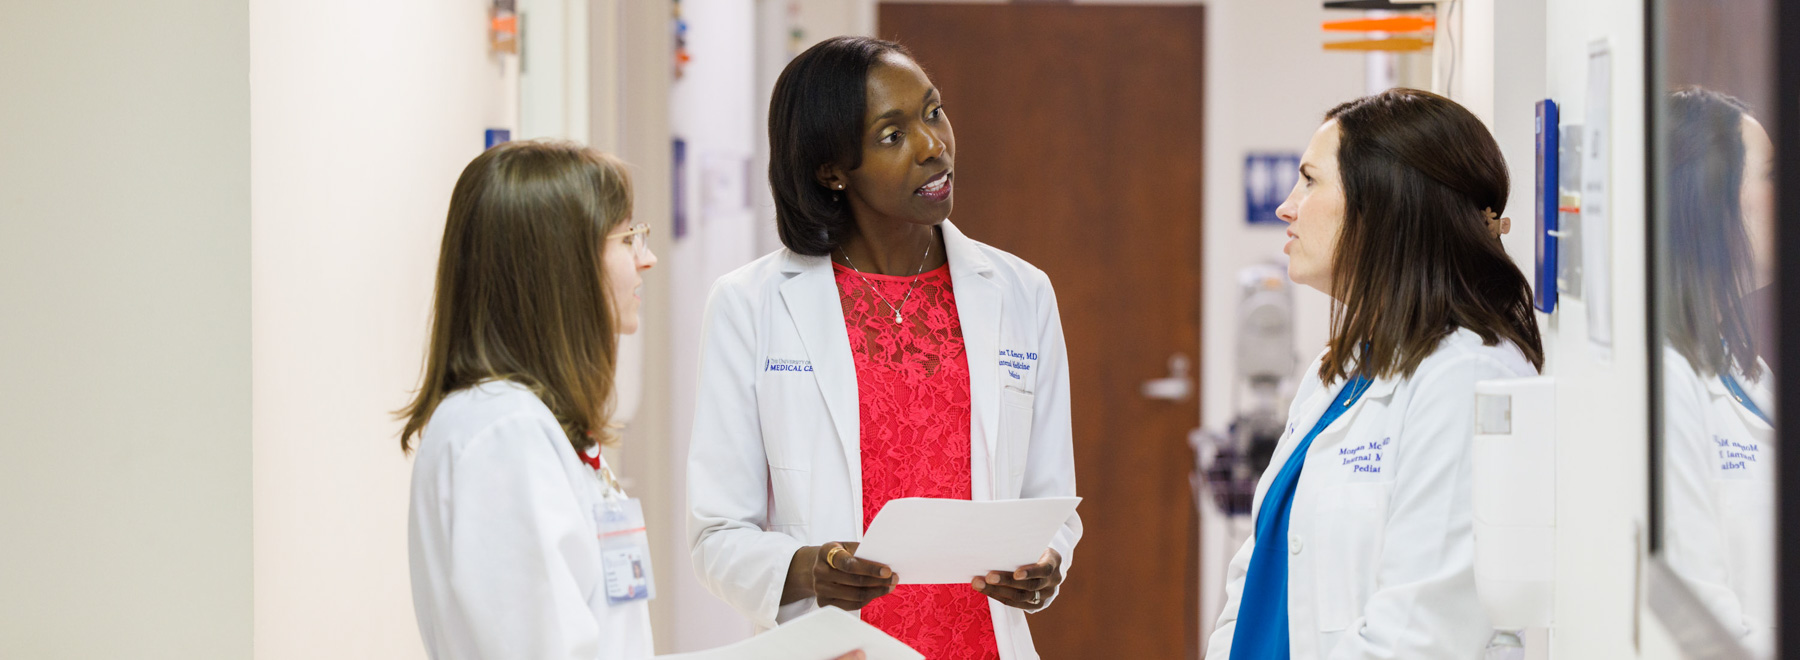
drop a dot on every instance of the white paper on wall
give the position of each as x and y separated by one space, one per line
1596 202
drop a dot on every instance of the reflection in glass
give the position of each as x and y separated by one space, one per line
1718 475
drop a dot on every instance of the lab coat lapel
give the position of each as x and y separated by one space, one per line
1380 388
978 303
812 300
1759 392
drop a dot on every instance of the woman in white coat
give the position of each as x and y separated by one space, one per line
1364 543
1718 490
521 543
882 354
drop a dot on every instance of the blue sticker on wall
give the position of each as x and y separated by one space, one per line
1268 177
679 210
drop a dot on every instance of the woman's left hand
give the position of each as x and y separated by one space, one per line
1027 587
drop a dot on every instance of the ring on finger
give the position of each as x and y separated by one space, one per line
1036 597
833 553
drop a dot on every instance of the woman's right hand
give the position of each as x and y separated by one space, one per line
833 576
854 655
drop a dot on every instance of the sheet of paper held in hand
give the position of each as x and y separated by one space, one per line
823 634
937 541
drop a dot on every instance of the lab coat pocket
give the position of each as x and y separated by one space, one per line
1016 411
788 407
790 496
1745 509
1346 551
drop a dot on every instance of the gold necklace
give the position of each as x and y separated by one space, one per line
898 318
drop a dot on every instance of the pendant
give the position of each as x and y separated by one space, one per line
898 319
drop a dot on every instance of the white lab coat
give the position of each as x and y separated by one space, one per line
1719 497
775 463
503 539
1381 546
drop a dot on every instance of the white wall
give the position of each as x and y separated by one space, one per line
1509 55
1269 83
361 117
1602 419
712 108
124 280
1500 76
554 72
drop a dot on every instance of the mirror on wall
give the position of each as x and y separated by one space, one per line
1714 261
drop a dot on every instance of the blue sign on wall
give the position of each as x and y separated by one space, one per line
1548 196
1268 177
497 136
678 186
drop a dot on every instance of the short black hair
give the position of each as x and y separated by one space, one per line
815 118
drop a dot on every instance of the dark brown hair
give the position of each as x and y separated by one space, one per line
816 118
1706 319
521 292
1416 258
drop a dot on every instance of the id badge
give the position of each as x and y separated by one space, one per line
625 551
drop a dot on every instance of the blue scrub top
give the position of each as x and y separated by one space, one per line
1262 621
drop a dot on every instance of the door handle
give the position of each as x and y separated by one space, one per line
1177 386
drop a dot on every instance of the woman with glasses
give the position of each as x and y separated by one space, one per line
1364 543
881 354
522 543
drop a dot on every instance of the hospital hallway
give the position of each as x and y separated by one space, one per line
220 222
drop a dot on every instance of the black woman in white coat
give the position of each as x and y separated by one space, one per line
875 287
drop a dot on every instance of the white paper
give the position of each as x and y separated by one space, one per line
823 634
938 541
1596 202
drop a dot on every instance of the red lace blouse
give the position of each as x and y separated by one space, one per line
912 380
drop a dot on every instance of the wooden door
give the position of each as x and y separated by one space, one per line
1078 148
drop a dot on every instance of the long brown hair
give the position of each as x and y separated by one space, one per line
1707 319
1416 258
521 291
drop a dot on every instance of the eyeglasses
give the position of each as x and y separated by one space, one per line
639 239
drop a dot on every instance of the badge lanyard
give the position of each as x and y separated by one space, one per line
624 544
1737 392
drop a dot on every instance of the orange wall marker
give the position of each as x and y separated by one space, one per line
1396 44
1391 24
